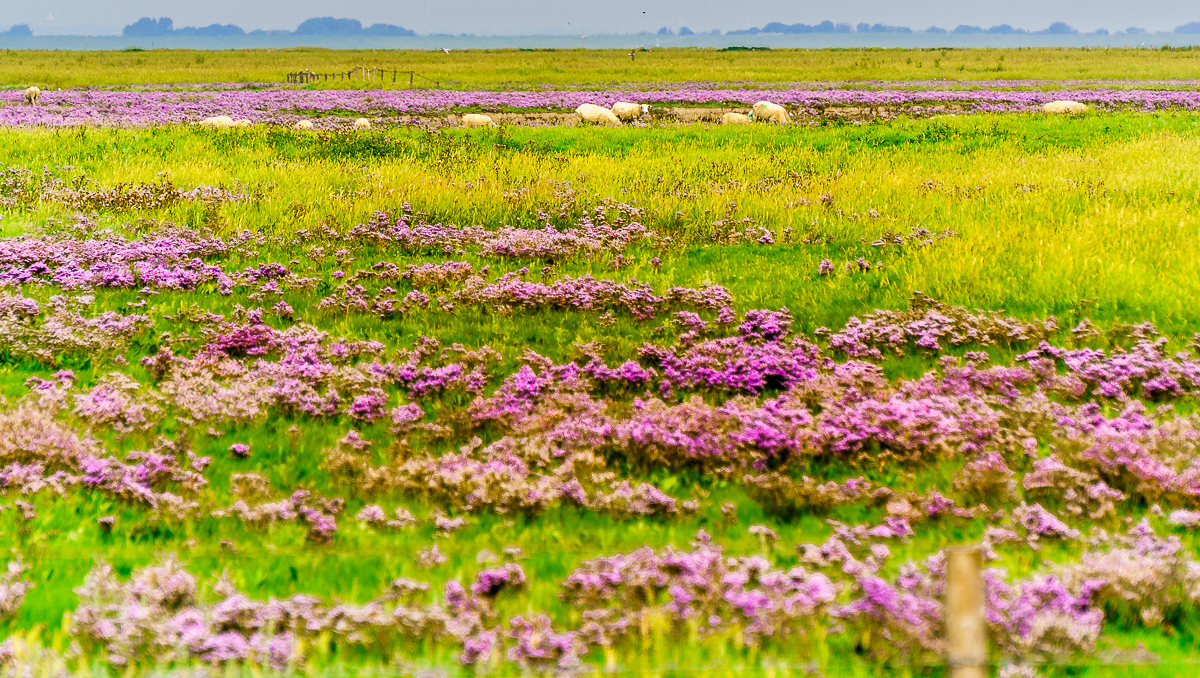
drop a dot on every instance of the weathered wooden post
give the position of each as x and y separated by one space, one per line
966 628
410 77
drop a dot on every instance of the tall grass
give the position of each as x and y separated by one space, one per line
1048 212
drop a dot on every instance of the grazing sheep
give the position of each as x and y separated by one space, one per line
765 111
303 124
217 122
735 119
1064 107
242 123
476 120
362 123
628 112
598 115
33 96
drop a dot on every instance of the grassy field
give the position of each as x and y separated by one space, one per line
1073 209
1089 217
513 69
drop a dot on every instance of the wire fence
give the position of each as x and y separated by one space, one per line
363 74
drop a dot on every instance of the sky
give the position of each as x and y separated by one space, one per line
577 17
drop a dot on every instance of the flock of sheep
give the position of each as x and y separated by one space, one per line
763 111
623 112
620 113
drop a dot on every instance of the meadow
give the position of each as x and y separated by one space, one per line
660 401
510 69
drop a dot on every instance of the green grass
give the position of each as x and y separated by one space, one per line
1094 216
514 69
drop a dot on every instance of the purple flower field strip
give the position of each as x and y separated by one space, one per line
863 84
285 106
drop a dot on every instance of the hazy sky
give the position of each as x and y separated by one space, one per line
515 17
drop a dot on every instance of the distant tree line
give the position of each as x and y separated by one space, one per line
1056 28
329 26
320 26
776 27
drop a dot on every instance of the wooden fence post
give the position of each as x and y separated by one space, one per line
966 628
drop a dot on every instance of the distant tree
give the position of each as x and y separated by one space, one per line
1187 29
211 30
963 29
882 28
936 29
1134 30
1060 28
328 25
1003 29
19 31
776 27
388 30
684 30
1099 31
665 31
148 28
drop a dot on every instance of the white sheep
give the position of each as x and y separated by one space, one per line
735 119
477 120
627 112
217 122
765 111
303 124
33 96
242 123
598 115
1064 107
362 123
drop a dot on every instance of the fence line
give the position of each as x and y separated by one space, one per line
371 74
